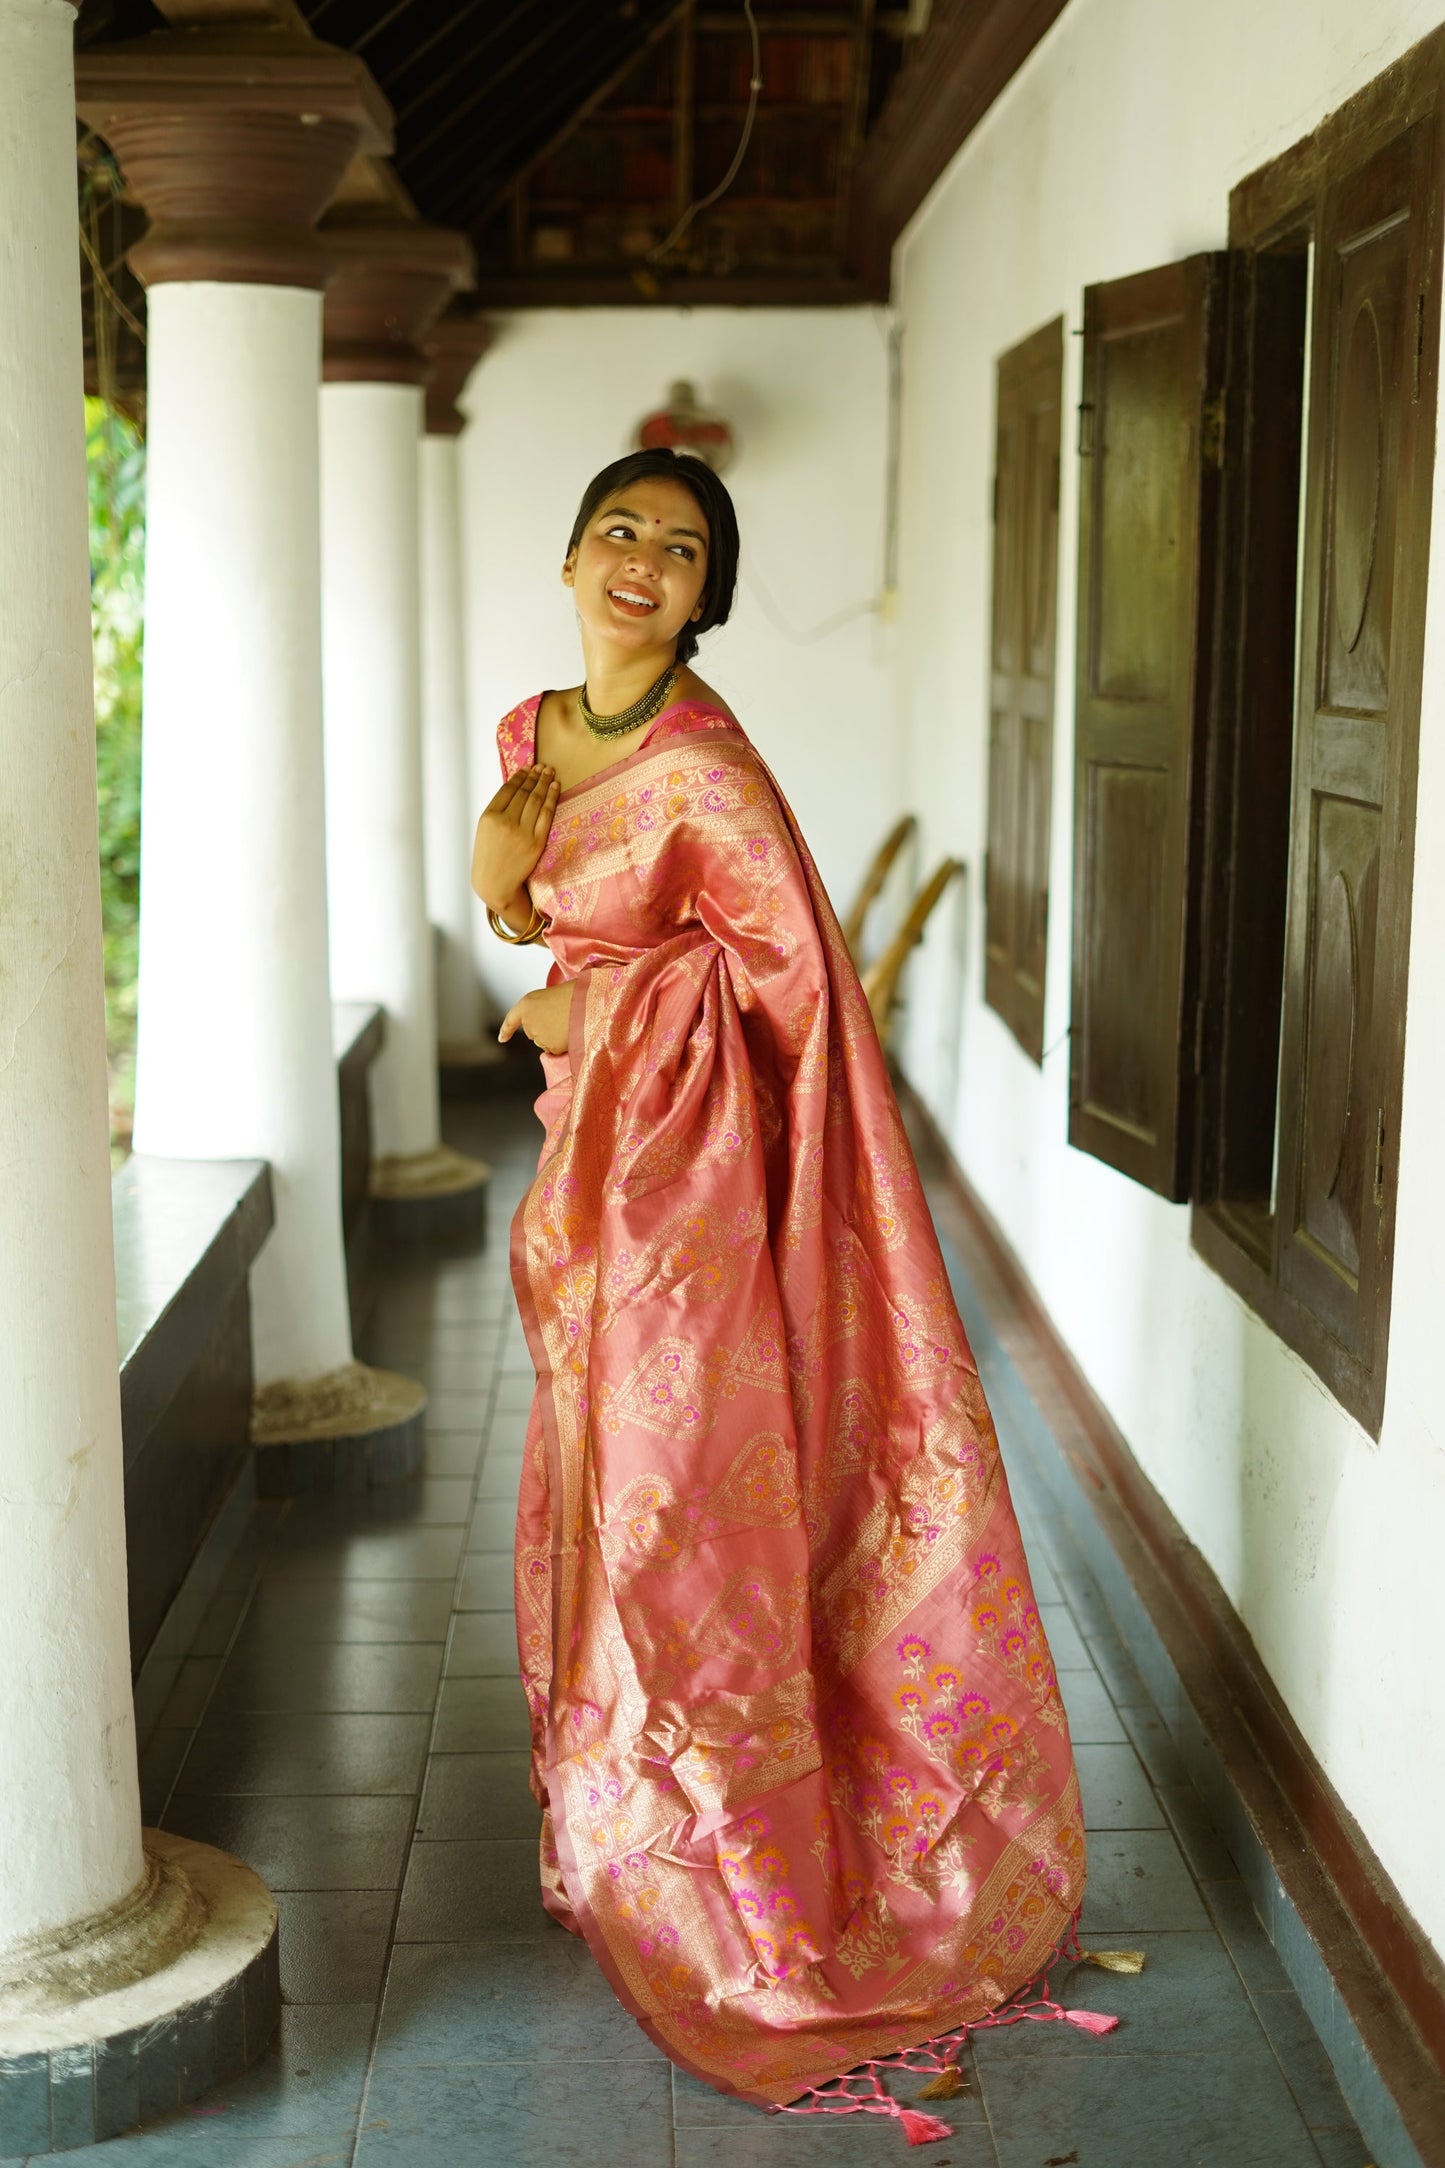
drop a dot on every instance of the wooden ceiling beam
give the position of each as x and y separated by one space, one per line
807 23
969 52
608 290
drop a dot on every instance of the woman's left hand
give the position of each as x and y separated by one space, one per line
545 1018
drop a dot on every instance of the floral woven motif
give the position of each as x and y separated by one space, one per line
808 1784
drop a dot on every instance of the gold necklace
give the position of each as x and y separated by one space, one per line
641 711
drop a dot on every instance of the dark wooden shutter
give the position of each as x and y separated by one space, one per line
1151 425
1362 620
1020 766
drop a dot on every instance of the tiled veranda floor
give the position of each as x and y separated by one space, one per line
350 1723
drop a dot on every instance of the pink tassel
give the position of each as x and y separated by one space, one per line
1092 2021
922 2129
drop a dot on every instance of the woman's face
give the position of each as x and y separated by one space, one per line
640 566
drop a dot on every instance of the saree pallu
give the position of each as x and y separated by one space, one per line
808 1784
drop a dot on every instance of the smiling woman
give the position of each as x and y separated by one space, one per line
806 1780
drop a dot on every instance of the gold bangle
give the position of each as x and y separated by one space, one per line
504 932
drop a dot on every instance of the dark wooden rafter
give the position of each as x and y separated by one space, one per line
684 113
856 119
952 75
567 137
583 112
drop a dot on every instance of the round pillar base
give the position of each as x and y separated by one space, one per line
481 1068
352 1430
106 2063
434 1197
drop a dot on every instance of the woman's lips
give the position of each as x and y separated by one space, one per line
628 606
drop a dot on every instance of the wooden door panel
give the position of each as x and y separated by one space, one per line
1035 772
1040 567
1002 829
1143 472
1372 306
1354 750
1334 1202
1125 823
1025 585
1153 361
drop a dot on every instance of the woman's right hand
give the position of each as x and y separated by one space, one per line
511 837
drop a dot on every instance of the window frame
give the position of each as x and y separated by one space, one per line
1284 207
1015 965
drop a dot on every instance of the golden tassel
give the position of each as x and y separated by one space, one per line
946 2086
1114 1960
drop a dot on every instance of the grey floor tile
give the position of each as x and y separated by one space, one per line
1302 2056
185 1704
1248 1944
425 1501
198 2137
501 1479
370 1554
483 1646
1188 2000
1138 1880
296 1612
1155 1744
516 1387
1066 1643
481 1716
310 2081
1204 1848
1093 1719
477 1795
473 1892
816 2141
452 1452
312 1753
487 1582
333 1943
317 1842
1176 2111
1119 1672
465 1374
516 2115
1117 1792
493 1526
1342 2148
460 1411
331 1676
160 1762
499 2002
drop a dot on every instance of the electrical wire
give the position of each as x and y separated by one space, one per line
703 203
832 624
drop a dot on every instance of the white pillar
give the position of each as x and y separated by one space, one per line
450 814
380 938
234 165
70 1843
234 1055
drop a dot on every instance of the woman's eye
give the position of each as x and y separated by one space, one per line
681 549
625 532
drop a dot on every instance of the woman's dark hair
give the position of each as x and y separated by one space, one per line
716 506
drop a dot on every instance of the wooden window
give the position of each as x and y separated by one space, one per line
1020 758
1148 496
1333 352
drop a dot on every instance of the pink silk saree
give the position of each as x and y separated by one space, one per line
808 1786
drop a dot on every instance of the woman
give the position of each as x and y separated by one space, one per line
807 1781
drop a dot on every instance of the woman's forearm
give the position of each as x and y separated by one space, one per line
516 911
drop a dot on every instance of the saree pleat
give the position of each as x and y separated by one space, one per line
808 1787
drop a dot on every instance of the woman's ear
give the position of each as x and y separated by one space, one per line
569 569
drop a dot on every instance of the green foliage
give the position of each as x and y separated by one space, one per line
115 458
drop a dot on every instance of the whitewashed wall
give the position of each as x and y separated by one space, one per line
557 397
1115 150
